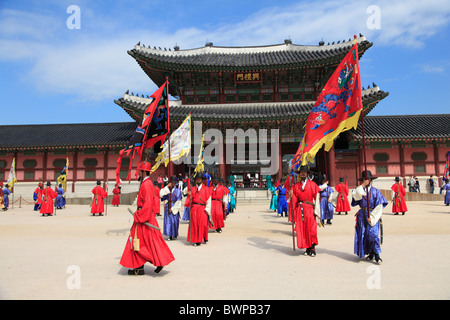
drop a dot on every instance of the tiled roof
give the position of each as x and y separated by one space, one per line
64 135
135 107
427 126
245 58
402 127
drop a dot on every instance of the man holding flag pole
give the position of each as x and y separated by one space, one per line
337 109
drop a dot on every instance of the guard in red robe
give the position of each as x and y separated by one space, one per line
398 198
37 197
307 210
150 245
342 203
157 198
48 194
200 210
98 205
218 213
116 196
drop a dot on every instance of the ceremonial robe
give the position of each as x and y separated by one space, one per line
152 247
6 194
232 195
198 223
171 219
367 238
398 198
187 202
326 207
305 224
116 196
218 214
98 205
342 203
48 194
282 203
37 197
60 201
446 188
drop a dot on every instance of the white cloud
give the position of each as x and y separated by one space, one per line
94 64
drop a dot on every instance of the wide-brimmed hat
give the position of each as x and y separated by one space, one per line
367 174
199 175
397 179
144 166
303 168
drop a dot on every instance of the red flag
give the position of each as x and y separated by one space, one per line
337 108
152 128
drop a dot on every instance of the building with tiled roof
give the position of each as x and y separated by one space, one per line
230 88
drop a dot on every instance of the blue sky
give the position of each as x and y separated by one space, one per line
52 74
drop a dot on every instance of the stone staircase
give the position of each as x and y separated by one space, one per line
253 195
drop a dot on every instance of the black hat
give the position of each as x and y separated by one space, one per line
199 175
98 182
341 179
397 179
303 168
48 183
367 175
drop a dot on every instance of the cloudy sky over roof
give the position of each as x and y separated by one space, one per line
52 72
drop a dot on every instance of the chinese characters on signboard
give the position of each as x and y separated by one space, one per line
248 77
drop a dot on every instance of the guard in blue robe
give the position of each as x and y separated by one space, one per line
274 199
6 194
368 218
326 207
207 178
282 203
173 196
60 200
232 202
446 189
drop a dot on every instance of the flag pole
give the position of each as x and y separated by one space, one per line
168 121
362 111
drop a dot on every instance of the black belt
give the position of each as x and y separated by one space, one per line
216 199
200 204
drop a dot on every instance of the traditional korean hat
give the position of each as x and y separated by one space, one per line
341 179
144 166
367 175
199 175
397 179
98 182
303 168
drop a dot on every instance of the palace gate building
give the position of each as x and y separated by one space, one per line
231 88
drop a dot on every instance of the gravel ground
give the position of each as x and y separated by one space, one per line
74 255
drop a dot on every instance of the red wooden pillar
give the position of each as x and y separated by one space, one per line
401 152
222 171
280 162
74 169
44 167
332 166
105 164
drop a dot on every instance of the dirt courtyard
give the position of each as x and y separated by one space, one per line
74 255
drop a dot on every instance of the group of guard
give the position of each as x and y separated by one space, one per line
305 202
206 207
312 202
